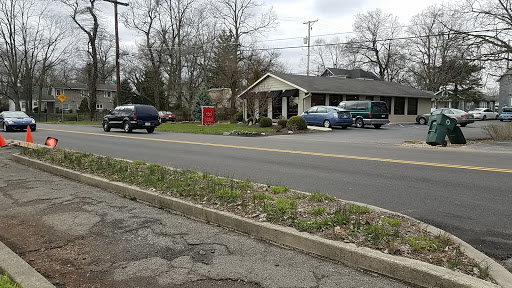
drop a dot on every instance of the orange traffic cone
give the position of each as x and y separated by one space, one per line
2 141
50 141
28 138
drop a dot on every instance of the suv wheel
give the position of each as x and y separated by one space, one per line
106 127
127 127
359 123
150 130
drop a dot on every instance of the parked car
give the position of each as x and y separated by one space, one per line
484 113
166 116
367 112
327 116
16 120
463 118
129 117
506 114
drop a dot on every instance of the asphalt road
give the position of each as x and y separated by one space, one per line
364 165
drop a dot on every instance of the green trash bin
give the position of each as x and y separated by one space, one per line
439 127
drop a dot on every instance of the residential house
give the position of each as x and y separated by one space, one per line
442 100
505 95
47 101
292 94
352 74
75 92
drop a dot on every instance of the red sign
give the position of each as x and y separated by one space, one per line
208 113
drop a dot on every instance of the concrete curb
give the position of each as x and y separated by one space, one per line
408 270
20 271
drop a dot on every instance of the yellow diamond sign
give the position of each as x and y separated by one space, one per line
62 97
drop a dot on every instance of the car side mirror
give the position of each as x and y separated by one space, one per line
306 112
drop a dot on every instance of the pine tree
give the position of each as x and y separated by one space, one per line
203 99
84 106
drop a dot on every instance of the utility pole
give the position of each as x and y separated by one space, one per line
309 39
118 83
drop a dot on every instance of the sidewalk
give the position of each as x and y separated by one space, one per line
77 235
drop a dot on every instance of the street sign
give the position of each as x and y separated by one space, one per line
62 97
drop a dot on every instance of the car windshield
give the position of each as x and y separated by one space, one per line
15 114
507 110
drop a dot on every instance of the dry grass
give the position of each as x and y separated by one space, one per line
499 132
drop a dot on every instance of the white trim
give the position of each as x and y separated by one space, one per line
274 76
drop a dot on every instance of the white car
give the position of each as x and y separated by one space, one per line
484 113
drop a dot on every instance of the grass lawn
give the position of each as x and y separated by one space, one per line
218 128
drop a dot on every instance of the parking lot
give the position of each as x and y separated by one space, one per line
397 133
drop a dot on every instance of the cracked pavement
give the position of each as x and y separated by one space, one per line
77 235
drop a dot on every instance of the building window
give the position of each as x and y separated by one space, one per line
65 106
352 97
317 99
83 93
58 92
99 106
399 106
334 100
23 105
412 106
369 98
35 104
388 102
108 94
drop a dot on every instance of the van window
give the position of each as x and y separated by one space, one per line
350 106
379 107
362 106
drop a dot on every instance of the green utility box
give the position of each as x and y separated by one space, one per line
439 126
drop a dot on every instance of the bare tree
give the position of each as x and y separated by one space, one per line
240 18
375 33
15 18
84 14
143 16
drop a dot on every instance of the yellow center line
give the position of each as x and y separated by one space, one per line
300 152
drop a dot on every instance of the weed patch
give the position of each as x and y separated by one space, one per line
317 213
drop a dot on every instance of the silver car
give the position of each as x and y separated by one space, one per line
463 118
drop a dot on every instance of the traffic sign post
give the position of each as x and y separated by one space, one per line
62 98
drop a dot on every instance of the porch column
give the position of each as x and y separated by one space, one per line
284 107
269 108
327 100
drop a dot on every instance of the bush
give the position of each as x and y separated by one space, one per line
296 123
239 116
265 122
282 122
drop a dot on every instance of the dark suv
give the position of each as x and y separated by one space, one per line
132 116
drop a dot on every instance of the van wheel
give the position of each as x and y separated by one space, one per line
127 127
327 124
150 130
377 126
359 123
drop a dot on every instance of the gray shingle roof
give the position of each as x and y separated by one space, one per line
335 85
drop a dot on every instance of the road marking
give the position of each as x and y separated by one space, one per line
300 152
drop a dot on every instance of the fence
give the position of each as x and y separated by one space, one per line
58 117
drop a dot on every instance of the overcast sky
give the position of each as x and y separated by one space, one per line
335 18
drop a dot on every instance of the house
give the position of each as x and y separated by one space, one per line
352 74
288 95
75 92
505 95
47 101
442 100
